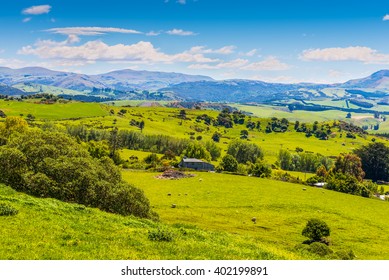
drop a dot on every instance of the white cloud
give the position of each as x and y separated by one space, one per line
141 52
182 2
237 63
251 53
223 50
37 10
270 63
386 17
91 31
362 54
153 33
180 32
26 19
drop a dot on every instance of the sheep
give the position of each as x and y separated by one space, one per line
254 220
174 205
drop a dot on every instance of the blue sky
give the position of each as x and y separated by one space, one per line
277 41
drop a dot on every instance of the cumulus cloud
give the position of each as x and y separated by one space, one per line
91 31
182 2
386 17
180 32
251 53
26 19
142 52
37 10
270 63
362 54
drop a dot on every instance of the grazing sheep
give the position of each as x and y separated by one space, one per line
304 189
174 205
254 220
200 179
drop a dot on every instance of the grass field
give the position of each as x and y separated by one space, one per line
53 111
220 202
47 229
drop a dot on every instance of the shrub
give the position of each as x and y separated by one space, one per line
319 249
316 230
229 164
7 210
344 255
161 234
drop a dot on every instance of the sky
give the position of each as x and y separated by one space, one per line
275 41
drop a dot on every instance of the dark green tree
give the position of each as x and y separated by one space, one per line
229 164
375 161
316 230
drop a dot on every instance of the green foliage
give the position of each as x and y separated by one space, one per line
306 162
213 150
349 164
261 169
216 137
196 150
161 234
229 164
344 255
320 249
244 152
316 230
7 210
375 161
51 164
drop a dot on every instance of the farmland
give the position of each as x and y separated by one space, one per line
213 212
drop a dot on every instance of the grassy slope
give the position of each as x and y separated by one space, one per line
50 229
227 203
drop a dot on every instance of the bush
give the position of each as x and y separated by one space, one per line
344 255
319 249
316 230
229 164
161 234
7 210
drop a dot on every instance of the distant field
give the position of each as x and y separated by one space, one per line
221 202
53 111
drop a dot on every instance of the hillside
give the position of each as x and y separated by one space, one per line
209 222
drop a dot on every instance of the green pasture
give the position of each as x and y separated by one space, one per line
227 203
55 111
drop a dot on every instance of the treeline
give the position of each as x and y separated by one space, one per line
302 161
135 140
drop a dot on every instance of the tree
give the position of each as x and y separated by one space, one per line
350 165
375 161
261 169
316 230
213 149
229 163
244 134
244 152
216 136
141 125
196 150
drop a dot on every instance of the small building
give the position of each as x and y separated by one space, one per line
320 184
196 164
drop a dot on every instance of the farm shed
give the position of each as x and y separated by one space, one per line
196 164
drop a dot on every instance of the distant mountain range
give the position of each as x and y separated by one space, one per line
130 84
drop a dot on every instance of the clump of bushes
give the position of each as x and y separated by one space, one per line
161 234
317 230
52 164
7 210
